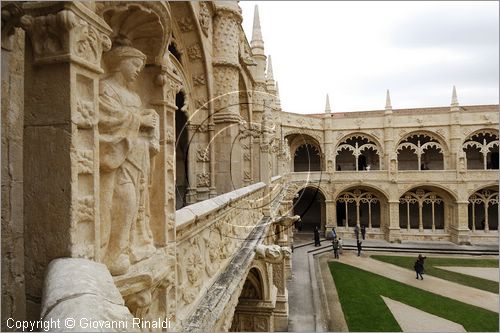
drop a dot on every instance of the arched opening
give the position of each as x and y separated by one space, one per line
181 152
420 152
306 153
360 206
307 158
310 205
424 208
253 313
483 210
481 150
357 153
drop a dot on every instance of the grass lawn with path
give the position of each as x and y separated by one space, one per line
364 310
431 262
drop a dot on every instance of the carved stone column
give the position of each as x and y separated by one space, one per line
460 233
226 109
331 217
160 288
393 232
61 156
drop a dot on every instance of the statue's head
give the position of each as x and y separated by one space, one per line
127 60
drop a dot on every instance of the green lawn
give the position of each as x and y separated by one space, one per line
364 310
430 269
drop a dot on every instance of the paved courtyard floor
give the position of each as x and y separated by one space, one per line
314 304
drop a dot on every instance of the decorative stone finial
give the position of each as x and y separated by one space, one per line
327 106
257 42
278 101
269 73
388 106
454 99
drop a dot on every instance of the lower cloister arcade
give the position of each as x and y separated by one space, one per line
425 209
361 206
357 152
420 151
483 210
309 203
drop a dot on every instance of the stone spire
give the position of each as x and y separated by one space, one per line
388 106
454 99
271 87
327 106
257 42
278 101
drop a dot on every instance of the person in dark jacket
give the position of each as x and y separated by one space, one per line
335 244
358 244
419 269
316 237
363 231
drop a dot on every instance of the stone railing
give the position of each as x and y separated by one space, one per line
208 234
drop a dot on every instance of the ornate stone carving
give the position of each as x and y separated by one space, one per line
199 79
185 23
85 160
204 18
204 179
85 209
84 117
272 254
65 33
194 52
202 155
129 137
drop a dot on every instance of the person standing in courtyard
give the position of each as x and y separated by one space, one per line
363 231
358 244
335 243
341 245
356 231
316 237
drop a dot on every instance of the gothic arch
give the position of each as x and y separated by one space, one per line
483 209
443 189
309 203
481 149
358 151
426 207
306 152
412 154
361 205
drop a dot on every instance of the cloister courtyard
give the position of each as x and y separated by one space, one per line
378 291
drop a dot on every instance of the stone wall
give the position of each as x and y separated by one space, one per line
13 297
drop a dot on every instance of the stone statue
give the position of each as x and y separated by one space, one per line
128 139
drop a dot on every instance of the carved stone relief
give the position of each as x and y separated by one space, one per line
129 137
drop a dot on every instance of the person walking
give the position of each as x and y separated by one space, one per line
356 231
419 266
358 244
341 245
419 269
335 243
363 231
316 237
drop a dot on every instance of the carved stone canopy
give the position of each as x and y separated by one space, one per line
147 25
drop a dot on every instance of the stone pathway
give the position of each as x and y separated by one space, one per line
488 273
411 319
300 303
473 296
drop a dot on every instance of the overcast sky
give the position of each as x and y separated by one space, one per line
354 51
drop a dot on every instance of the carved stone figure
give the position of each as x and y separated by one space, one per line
272 254
128 140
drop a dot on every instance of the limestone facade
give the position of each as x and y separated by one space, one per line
145 142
